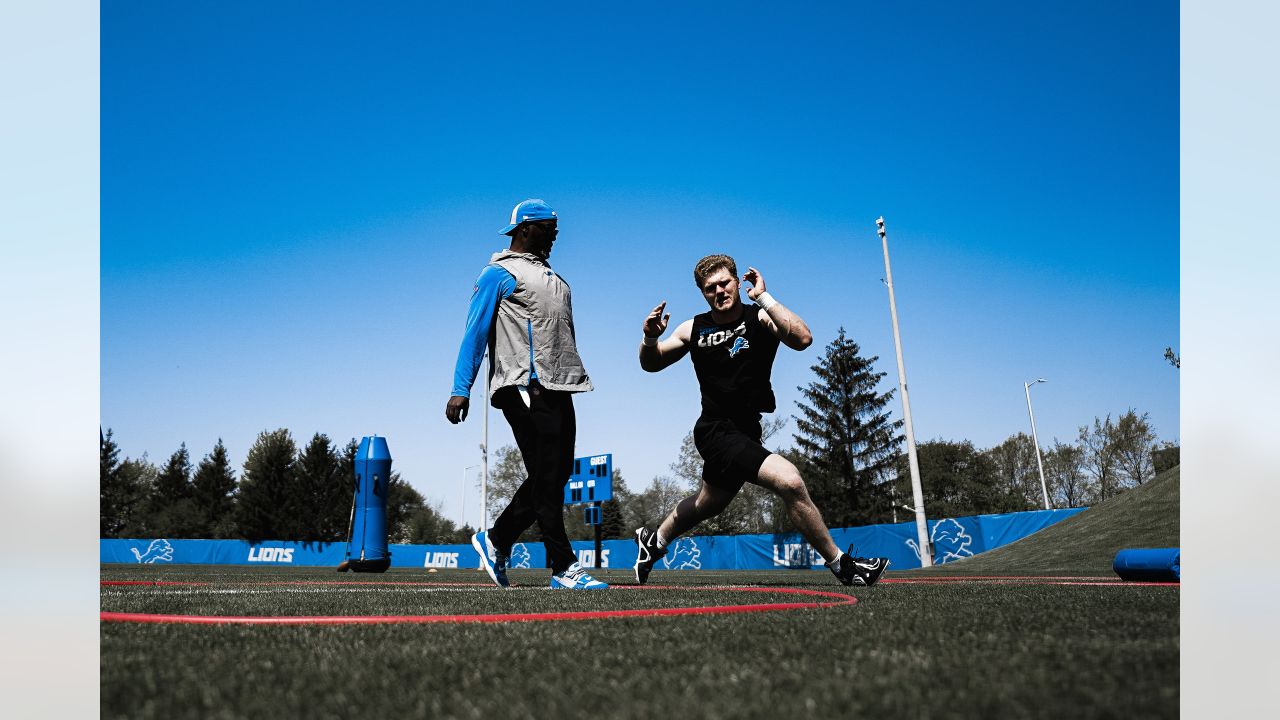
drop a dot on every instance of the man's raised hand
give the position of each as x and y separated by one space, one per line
656 323
754 277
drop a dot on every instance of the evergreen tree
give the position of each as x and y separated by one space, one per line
171 510
111 495
266 508
846 438
213 489
324 494
136 479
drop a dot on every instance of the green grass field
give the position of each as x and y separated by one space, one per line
930 649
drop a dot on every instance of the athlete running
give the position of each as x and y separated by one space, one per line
733 348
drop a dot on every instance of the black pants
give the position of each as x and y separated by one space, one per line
545 432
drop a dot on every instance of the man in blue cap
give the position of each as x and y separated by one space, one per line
522 311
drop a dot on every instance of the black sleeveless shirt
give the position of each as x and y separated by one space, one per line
733 363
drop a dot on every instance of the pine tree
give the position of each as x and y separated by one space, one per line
846 438
213 489
118 492
265 506
171 511
137 477
324 495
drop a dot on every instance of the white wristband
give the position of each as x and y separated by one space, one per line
766 301
649 341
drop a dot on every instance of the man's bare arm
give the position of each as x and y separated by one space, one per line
657 354
781 321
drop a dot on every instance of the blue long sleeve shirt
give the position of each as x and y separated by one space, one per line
494 284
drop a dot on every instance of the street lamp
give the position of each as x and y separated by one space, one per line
464 490
1039 463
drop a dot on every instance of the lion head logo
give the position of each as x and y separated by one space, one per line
520 557
950 542
157 551
683 554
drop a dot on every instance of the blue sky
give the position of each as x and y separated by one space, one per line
296 200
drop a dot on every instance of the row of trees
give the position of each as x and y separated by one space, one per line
283 493
846 446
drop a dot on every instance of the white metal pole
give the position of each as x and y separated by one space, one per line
922 525
484 461
1035 439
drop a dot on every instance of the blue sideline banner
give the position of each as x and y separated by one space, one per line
952 538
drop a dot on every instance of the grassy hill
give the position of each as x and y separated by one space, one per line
1086 544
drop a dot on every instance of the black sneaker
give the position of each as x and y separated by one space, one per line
858 570
647 553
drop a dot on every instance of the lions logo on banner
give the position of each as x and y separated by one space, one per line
950 542
157 551
683 554
520 557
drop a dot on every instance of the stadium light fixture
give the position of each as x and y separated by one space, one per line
1035 439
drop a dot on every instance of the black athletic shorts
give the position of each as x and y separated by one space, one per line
731 450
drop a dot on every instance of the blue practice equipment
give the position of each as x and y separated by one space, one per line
1149 565
367 540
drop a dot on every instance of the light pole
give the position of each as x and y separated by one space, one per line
484 458
1039 463
922 525
464 491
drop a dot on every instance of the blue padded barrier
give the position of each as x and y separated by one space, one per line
952 538
1149 564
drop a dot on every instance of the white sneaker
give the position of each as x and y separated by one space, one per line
575 578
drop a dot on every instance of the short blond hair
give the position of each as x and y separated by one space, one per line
710 264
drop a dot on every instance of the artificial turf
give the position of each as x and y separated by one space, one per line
965 649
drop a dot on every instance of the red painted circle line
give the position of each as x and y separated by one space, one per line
837 599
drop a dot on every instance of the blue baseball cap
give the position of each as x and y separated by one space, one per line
526 211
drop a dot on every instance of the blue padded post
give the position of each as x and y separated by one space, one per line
1149 564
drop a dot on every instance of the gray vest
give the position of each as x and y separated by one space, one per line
533 331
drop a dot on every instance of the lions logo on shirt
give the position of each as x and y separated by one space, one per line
712 336
739 344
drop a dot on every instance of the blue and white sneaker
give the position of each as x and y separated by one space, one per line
575 578
494 562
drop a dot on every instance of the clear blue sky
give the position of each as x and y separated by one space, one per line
297 198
